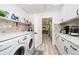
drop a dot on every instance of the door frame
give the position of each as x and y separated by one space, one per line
52 28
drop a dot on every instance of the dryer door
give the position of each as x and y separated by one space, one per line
30 44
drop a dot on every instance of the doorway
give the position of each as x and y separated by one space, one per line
47 46
47 35
47 28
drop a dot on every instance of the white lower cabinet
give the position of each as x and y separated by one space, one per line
57 42
73 49
60 44
66 47
63 47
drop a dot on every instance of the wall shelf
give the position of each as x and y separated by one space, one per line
75 19
7 19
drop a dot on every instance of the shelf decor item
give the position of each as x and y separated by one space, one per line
77 11
4 13
13 16
17 18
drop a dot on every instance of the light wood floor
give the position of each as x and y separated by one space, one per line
47 46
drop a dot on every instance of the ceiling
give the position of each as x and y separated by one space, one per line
39 8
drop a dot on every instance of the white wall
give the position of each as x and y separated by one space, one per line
69 11
12 8
56 16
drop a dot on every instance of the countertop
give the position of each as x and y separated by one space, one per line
73 39
8 36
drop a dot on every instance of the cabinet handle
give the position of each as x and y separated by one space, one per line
73 47
66 49
62 40
24 38
35 32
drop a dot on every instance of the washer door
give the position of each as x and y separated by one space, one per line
20 51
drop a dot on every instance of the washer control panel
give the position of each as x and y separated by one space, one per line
22 40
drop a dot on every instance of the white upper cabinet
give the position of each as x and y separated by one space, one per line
69 11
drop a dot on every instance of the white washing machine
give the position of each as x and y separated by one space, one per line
14 46
30 44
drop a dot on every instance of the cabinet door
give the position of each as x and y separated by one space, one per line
60 45
64 46
57 41
68 48
73 49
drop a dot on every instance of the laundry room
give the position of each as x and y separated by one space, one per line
39 29
22 34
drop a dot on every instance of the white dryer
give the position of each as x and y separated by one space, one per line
14 46
30 44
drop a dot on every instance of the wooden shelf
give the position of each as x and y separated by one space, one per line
75 19
4 18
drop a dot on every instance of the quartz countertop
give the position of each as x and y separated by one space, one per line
8 36
73 39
